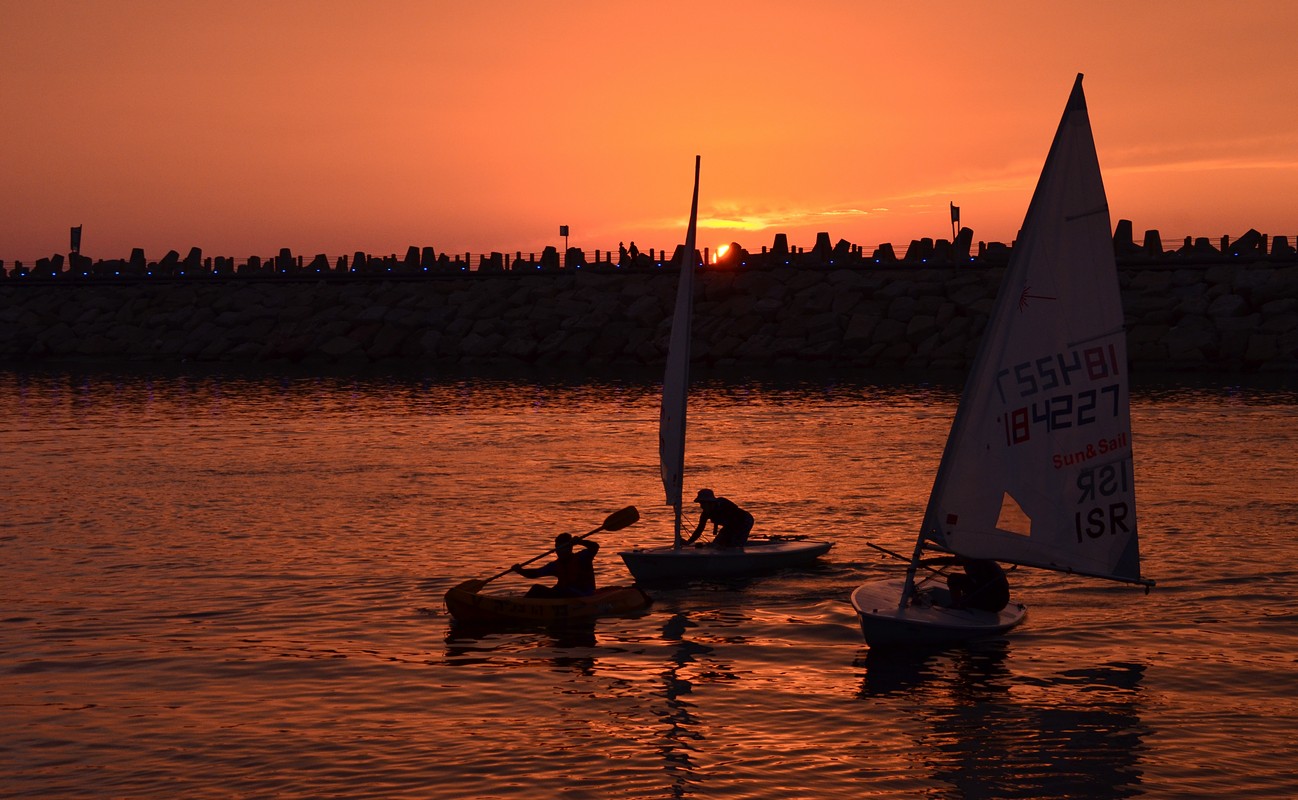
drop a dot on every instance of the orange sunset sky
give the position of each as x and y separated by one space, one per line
244 126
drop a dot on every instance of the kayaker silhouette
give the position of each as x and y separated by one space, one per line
574 571
730 523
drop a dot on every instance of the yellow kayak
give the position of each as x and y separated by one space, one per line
468 604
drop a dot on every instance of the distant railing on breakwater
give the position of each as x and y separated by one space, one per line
426 262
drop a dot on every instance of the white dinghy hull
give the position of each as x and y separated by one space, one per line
883 622
691 562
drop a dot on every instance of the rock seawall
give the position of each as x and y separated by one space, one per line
1224 317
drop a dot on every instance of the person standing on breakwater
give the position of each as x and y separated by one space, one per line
574 572
730 523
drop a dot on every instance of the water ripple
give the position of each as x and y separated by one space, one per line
230 585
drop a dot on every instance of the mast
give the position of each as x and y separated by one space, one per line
671 420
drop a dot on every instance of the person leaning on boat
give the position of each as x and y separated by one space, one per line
574 571
730 522
982 586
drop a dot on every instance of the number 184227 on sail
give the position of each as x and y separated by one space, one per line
1074 407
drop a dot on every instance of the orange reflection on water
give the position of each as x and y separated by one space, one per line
222 584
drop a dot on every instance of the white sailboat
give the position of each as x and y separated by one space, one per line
1037 469
678 561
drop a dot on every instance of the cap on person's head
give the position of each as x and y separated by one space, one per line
705 495
562 539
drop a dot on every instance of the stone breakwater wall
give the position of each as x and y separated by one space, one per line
1226 317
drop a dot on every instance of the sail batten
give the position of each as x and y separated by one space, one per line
1045 415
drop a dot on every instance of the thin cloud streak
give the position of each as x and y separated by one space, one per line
1207 165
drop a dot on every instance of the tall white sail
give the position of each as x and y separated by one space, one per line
1038 469
671 420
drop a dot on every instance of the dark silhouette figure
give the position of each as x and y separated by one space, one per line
730 523
574 571
981 586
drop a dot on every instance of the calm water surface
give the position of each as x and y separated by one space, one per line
224 585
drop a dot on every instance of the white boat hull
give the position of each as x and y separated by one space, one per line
883 622
693 562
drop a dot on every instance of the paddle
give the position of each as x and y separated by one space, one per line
614 522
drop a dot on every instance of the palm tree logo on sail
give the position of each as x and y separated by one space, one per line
1026 295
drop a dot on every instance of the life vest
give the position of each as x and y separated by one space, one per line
576 572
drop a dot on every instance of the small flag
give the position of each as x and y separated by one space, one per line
76 238
955 213
563 230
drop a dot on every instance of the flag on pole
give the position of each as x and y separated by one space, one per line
76 238
955 214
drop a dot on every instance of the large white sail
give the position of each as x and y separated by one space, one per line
1038 467
671 420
